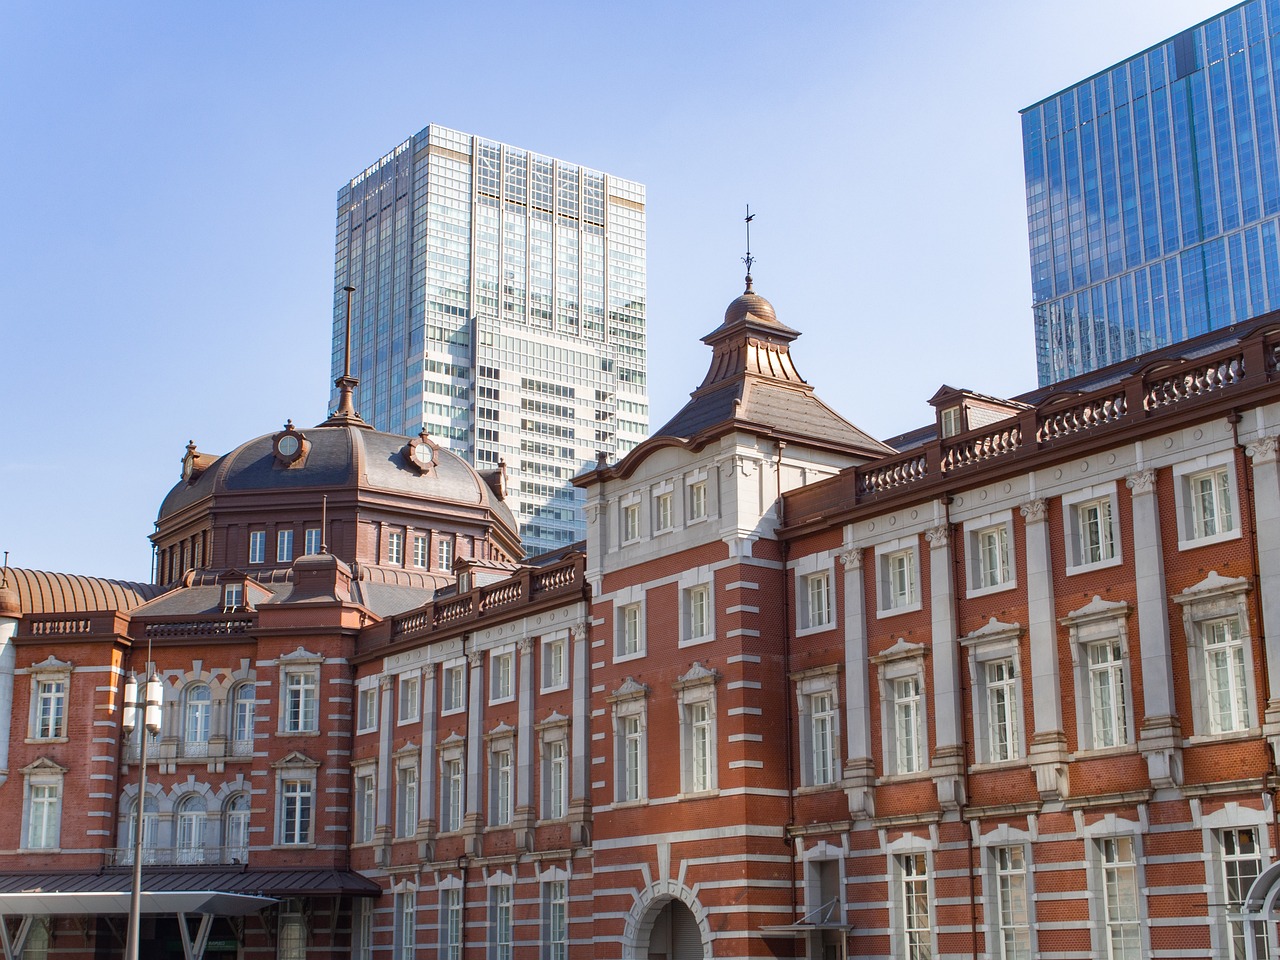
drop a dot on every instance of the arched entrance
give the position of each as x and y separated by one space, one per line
671 933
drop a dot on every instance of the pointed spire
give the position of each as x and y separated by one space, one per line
346 384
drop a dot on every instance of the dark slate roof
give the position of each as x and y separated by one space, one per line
242 879
339 456
43 592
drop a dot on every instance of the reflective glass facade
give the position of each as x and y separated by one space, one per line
500 303
1153 195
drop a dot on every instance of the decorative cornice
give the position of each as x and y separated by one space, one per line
939 536
630 690
1263 449
525 646
579 631
1142 482
851 558
1097 609
697 675
901 650
1212 585
1035 511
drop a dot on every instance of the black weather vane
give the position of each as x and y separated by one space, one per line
749 259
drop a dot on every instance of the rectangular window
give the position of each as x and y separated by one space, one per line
284 546
701 746
915 907
555 773
362 929
1120 899
822 739
1012 905
453 691
816 601
1001 693
1226 676
404 925
444 554
556 911
501 680
1106 694
1241 865
365 810
1094 532
992 544
232 597
698 500
257 546
311 540
500 787
301 693
409 706
451 924
500 926
295 817
629 630
697 618
367 709
419 551
395 549
950 422
907 727
898 590
406 801
633 757
44 808
663 512
631 522
451 794
51 709
1212 510
555 673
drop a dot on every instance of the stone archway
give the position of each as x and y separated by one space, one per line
671 933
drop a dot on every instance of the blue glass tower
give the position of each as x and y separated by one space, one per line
1153 195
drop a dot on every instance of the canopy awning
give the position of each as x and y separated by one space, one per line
801 929
100 902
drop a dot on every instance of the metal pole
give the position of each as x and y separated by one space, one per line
135 892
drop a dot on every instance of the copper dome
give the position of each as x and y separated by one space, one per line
750 303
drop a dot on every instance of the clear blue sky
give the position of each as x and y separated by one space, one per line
173 167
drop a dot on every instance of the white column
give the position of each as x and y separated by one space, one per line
386 737
1266 514
580 758
1160 738
427 781
859 771
475 743
948 760
524 733
1048 742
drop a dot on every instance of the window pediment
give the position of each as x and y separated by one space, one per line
698 675
901 650
1214 586
992 632
296 759
630 690
300 656
43 765
51 664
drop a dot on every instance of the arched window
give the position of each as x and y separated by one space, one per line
191 821
150 822
235 831
196 726
242 719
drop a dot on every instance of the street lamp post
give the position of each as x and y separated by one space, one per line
149 707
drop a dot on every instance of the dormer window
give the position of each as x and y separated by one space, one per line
952 421
289 445
232 596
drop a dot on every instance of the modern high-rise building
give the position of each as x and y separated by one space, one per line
1153 195
499 305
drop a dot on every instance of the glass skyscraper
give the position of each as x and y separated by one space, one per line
1153 195
499 304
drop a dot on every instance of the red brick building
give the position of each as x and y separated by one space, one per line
999 687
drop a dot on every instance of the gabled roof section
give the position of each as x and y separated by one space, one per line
753 385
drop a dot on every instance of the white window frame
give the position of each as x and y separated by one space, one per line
1100 622
555 917
408 787
257 546
630 740
395 548
444 553
951 421
554 653
697 607
42 796
1220 469
312 541
911 869
232 597
815 596
501 901
663 507
984 579
629 608
364 803
1115 860
453 785
1215 601
696 706
237 815
451 906
818 718
197 719
629 519
899 666
502 777
306 668
892 599
284 545
367 704
1011 924
243 715
362 928
1226 925
409 697
453 686
421 551
697 504
295 782
502 674
51 685
1075 510
553 741
1000 703
404 922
